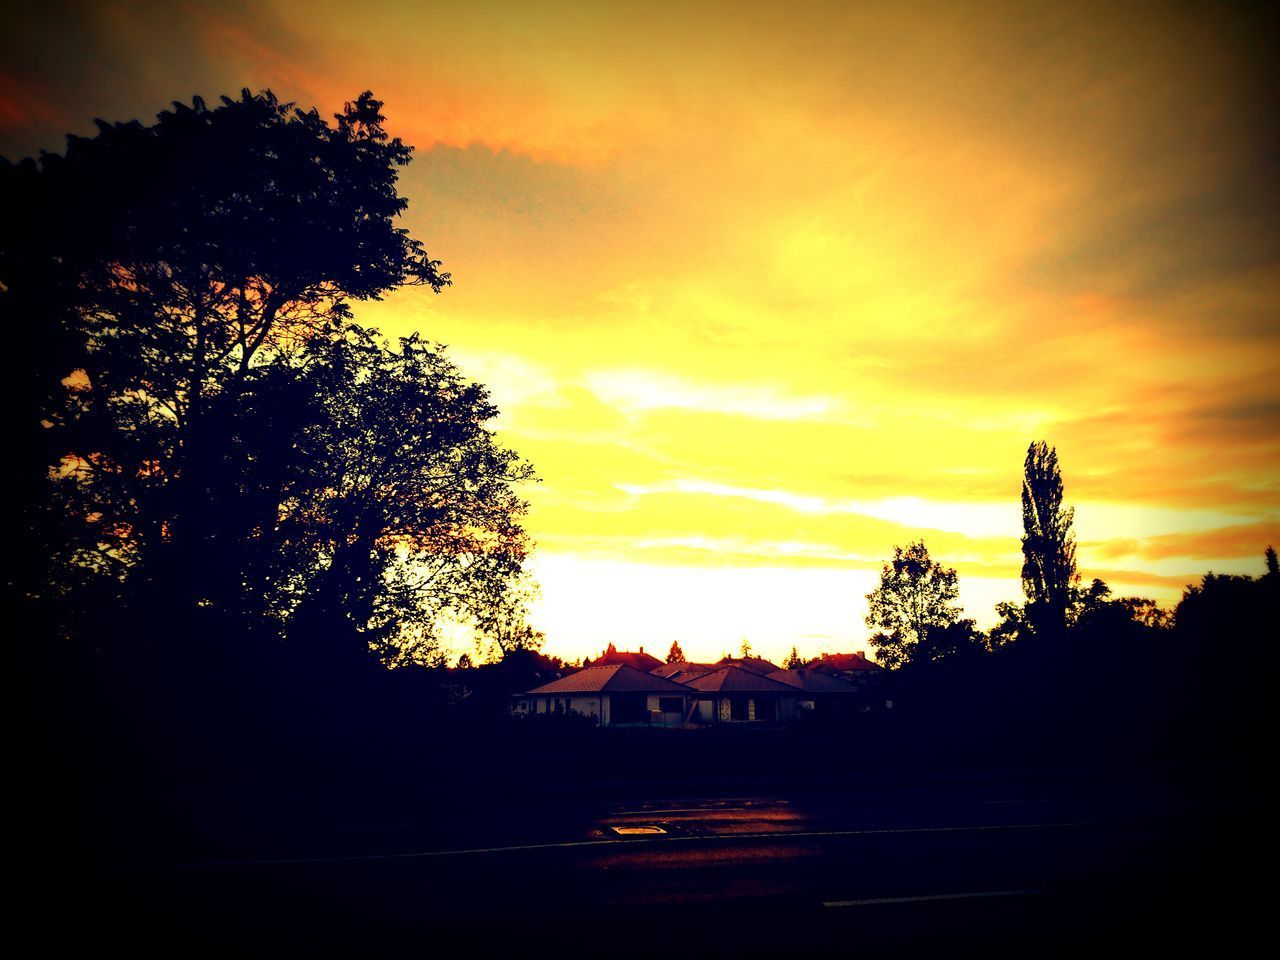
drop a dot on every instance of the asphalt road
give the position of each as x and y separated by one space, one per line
975 868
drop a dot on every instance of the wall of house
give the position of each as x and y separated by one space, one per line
669 717
709 710
720 709
588 706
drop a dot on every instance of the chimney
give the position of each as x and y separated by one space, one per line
642 648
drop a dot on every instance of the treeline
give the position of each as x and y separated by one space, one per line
1074 673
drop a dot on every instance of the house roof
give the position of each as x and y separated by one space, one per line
683 672
639 659
667 669
813 681
736 680
842 662
755 664
610 678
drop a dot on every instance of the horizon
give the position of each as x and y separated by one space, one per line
759 310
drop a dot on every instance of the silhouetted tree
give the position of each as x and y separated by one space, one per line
402 510
675 654
1011 628
1273 566
958 638
501 615
793 661
228 447
1096 604
1048 543
915 595
464 662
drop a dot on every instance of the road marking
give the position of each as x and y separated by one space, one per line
876 901
634 841
651 813
1016 801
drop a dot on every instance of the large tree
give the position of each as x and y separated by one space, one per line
916 597
399 509
1048 543
225 442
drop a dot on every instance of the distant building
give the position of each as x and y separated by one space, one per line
639 660
615 694
851 666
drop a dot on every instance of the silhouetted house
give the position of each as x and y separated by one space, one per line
852 666
755 664
639 660
822 692
615 694
731 694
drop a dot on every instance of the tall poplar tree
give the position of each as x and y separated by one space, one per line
1048 543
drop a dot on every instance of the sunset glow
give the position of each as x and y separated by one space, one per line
762 291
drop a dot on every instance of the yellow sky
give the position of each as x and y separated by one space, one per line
763 290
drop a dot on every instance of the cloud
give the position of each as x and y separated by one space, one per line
638 391
1242 540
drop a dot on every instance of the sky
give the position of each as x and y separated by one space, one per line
763 290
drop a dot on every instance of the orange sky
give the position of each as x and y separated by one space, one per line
765 290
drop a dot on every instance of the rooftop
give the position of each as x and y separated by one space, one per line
609 678
737 680
843 662
755 664
813 681
683 672
638 659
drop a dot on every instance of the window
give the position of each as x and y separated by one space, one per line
629 708
671 704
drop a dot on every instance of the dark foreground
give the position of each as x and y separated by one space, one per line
998 863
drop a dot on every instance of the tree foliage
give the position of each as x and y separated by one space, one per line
501 618
916 596
675 654
793 661
1048 543
226 445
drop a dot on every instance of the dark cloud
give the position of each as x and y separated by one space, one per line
67 63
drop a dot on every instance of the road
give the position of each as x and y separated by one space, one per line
977 867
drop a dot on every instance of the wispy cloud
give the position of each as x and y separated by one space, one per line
638 391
